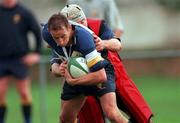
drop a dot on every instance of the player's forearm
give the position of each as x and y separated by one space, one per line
91 78
38 37
113 44
55 70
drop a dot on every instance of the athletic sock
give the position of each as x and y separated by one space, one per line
27 114
3 110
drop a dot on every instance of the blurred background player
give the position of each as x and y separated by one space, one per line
15 57
102 9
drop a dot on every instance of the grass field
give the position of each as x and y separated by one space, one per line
162 93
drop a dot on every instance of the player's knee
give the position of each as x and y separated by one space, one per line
25 97
150 121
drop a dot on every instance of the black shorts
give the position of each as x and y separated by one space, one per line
70 92
13 67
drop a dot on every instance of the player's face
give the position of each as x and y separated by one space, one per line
62 36
83 22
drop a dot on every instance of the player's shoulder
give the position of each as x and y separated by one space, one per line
83 37
79 29
84 40
24 10
81 32
45 32
47 36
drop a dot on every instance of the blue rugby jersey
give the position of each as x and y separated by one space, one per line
105 33
83 43
15 23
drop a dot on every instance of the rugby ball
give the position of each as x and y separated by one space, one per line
77 66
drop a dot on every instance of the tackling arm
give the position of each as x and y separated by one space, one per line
112 44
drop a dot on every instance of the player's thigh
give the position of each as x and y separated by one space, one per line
70 108
108 102
3 87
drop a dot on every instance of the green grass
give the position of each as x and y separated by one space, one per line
162 93
51 102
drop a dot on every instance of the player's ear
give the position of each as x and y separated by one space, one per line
84 22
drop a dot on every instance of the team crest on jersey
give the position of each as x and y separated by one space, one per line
76 54
16 18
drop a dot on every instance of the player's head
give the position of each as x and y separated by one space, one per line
74 13
60 29
8 3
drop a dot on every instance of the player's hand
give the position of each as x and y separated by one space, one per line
55 69
100 45
69 78
62 68
31 59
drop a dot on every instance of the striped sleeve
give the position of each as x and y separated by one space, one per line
95 61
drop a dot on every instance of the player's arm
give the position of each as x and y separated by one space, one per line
107 39
59 69
56 65
55 70
112 44
97 75
92 78
34 27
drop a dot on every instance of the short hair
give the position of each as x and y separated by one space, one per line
57 21
73 12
